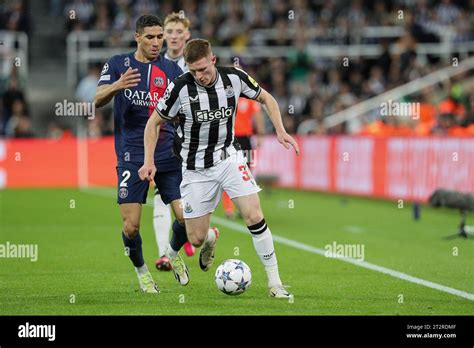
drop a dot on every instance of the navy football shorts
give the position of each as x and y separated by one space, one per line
133 190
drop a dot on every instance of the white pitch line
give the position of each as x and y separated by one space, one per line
353 229
301 246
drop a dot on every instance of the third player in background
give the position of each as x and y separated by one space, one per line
176 33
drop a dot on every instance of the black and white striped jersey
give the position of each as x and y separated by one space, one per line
180 61
206 113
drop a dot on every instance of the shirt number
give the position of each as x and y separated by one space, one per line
245 174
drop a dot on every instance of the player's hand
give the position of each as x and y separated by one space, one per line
129 79
286 140
147 172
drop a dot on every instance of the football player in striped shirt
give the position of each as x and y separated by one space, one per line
204 101
176 33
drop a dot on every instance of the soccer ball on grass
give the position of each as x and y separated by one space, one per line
233 277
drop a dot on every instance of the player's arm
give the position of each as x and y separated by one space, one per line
166 110
275 116
152 132
259 124
106 92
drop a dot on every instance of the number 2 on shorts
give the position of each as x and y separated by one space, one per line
126 174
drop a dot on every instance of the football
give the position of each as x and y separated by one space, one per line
233 277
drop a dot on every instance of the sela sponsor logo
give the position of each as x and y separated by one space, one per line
210 115
75 109
351 251
142 98
20 251
37 331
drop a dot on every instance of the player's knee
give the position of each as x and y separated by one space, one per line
131 228
253 217
196 239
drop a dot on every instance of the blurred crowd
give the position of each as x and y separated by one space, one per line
307 89
14 16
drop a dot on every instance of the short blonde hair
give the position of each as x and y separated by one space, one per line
178 17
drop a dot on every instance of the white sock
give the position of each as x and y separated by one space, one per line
161 224
171 252
211 236
142 270
263 244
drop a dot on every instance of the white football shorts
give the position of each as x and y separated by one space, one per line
201 189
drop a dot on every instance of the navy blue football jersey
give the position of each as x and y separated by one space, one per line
133 107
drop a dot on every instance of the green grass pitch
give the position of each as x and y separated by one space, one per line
82 269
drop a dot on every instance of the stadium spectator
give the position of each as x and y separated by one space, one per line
55 130
428 113
256 15
79 14
376 81
95 126
381 16
279 10
281 37
299 61
101 20
15 18
123 19
447 13
12 94
86 88
232 28
384 61
19 124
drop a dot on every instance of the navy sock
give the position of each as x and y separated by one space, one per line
179 236
135 249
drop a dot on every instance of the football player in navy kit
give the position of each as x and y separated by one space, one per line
137 80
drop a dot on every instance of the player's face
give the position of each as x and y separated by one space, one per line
203 70
150 41
176 35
